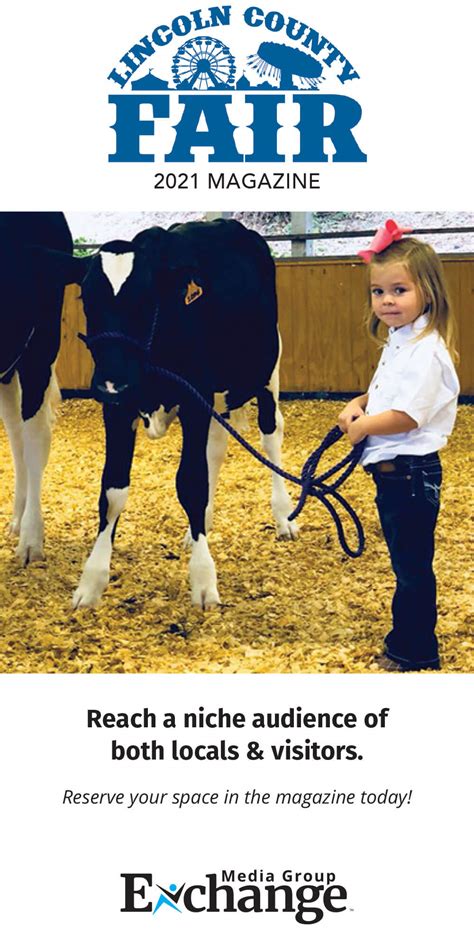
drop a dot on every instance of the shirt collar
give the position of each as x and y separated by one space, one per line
404 333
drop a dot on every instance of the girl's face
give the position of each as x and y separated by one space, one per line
396 300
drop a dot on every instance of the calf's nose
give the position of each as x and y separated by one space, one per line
111 387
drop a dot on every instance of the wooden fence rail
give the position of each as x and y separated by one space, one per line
325 345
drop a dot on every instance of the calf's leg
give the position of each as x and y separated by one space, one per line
27 406
10 413
215 453
193 487
270 421
120 433
37 433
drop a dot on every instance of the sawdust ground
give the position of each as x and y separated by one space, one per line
287 607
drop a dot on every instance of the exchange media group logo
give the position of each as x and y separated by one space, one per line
308 896
248 85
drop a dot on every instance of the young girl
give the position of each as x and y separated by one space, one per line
405 418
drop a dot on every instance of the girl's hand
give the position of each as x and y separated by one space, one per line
357 430
351 412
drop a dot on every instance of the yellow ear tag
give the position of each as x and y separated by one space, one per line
193 292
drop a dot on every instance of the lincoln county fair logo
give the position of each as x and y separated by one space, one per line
247 85
307 896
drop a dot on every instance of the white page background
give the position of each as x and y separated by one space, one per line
402 868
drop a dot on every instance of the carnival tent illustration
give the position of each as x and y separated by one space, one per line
149 82
244 84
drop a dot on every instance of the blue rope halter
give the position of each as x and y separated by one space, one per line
311 486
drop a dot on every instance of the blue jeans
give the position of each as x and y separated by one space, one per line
408 505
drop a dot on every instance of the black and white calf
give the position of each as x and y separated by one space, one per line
198 300
36 263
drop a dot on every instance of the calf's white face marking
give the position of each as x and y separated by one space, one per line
117 268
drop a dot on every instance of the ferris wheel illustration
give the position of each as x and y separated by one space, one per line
203 63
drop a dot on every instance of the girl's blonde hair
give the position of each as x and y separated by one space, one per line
425 269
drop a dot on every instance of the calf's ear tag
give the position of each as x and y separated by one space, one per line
193 292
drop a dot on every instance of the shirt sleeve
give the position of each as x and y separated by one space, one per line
421 391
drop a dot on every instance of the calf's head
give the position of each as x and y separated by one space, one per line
118 305
131 295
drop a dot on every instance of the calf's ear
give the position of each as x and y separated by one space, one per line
182 265
172 259
152 244
165 251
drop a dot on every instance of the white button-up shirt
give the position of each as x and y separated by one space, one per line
417 377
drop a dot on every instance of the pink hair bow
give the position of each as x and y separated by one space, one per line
384 237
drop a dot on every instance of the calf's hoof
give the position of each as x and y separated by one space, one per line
29 551
27 554
287 529
90 588
205 597
202 575
30 544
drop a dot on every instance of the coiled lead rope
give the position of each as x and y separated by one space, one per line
311 486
